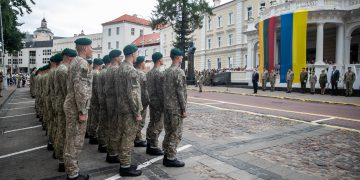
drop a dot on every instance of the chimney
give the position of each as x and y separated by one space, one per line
217 3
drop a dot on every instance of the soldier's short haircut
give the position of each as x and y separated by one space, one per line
80 48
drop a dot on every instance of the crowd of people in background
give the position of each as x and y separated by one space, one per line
18 79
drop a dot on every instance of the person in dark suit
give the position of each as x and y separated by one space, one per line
255 80
335 74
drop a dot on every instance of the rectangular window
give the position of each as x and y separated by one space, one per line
262 6
209 24
109 32
230 39
219 41
132 31
20 53
145 54
219 21
15 61
230 61
209 43
230 18
45 52
117 45
109 45
209 63
98 55
9 61
20 61
219 63
141 32
32 61
32 53
45 60
117 30
249 13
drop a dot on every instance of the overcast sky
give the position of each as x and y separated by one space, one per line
68 17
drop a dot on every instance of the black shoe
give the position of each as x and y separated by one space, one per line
112 159
61 167
102 148
86 135
153 151
172 163
93 140
37 116
141 143
130 171
54 156
79 177
50 147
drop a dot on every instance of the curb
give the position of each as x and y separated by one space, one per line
7 98
280 97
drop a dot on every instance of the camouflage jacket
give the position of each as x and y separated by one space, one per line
144 92
94 94
100 89
51 84
349 77
154 83
61 75
175 95
79 84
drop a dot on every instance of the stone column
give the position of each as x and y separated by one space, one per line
320 44
347 49
340 45
250 52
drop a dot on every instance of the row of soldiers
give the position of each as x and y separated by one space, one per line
349 79
110 102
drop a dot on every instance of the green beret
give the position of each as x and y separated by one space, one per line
106 59
90 62
156 56
129 49
57 58
69 52
98 61
46 67
83 41
139 60
175 52
114 53
52 58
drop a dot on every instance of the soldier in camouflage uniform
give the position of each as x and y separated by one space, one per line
272 80
61 75
76 107
42 89
52 97
109 89
45 97
140 66
129 106
155 81
93 122
32 82
175 99
349 79
36 84
103 120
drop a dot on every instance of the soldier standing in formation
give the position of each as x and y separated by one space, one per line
32 83
272 80
61 75
289 80
323 81
103 116
264 79
303 80
76 106
175 99
155 82
349 79
140 67
129 106
312 80
112 106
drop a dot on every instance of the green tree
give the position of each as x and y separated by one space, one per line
11 9
184 16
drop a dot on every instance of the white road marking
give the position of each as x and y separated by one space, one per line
212 103
148 163
32 127
16 115
17 108
321 120
21 152
281 110
23 102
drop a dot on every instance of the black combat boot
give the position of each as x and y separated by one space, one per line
61 167
112 159
130 171
102 148
53 155
37 116
172 163
93 140
140 143
79 177
50 147
153 151
86 135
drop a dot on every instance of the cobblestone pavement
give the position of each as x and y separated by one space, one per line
219 142
335 155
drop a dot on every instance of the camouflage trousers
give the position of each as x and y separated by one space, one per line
127 130
113 136
103 126
45 114
155 126
93 122
200 86
60 135
289 86
263 83
272 84
51 121
173 125
75 134
141 125
349 88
